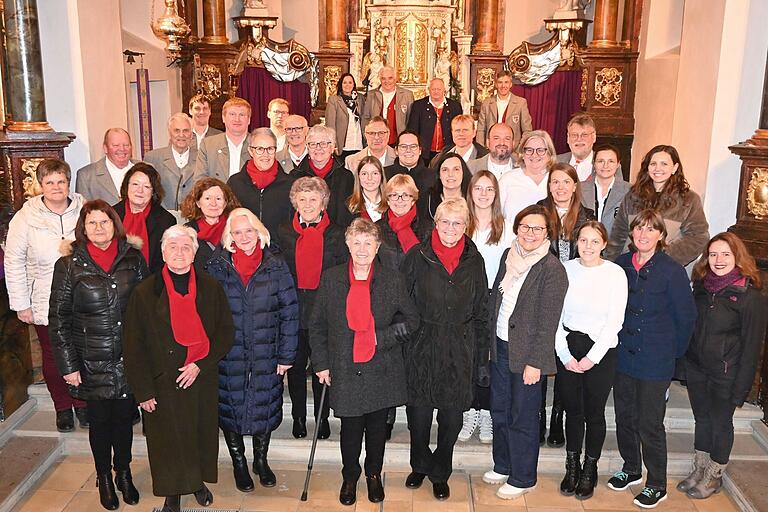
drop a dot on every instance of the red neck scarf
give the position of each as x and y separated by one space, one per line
186 325
321 172
211 233
402 228
246 265
360 317
309 252
636 262
136 224
261 179
448 256
104 258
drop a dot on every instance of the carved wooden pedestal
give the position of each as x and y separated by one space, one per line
483 71
333 63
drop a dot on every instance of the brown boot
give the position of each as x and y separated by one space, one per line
700 462
710 483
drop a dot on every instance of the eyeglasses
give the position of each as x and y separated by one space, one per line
92 224
259 150
456 224
580 136
320 145
400 197
408 148
537 230
487 190
538 151
295 129
377 134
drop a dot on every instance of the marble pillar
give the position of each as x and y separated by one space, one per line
606 24
487 22
336 25
763 126
357 49
26 94
214 22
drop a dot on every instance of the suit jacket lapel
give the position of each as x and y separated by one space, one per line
223 155
170 162
105 179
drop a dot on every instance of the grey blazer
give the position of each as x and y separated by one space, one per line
518 118
210 133
213 158
94 182
478 151
285 160
612 202
374 103
352 161
177 183
337 117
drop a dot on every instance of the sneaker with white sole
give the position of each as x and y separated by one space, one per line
494 478
649 497
469 425
621 480
485 426
510 492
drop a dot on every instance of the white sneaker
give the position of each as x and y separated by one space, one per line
510 492
470 424
485 425
494 478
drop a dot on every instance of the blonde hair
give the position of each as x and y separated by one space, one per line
226 239
453 205
404 181
544 136
235 102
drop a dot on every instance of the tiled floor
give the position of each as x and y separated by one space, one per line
70 487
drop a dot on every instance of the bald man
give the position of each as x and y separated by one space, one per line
389 101
295 150
431 118
102 179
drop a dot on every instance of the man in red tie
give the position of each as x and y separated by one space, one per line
431 118
389 101
504 107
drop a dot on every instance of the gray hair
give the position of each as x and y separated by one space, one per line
181 116
363 226
226 238
454 205
320 131
262 132
310 184
52 166
178 231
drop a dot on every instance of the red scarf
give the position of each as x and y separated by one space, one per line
448 256
188 330
136 224
309 252
360 317
246 265
104 258
211 232
402 228
261 179
392 121
636 262
321 172
437 135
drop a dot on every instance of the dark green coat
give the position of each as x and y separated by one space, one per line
183 432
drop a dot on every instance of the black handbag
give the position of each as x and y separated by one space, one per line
579 344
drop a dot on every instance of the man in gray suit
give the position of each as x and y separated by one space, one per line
217 156
581 138
376 135
504 107
102 179
200 110
176 162
295 150
389 101
499 161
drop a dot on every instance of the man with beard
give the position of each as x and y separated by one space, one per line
499 161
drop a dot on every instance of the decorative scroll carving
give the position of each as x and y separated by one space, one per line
29 181
608 86
486 78
533 63
584 86
757 193
209 82
332 75
411 44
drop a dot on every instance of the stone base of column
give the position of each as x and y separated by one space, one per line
333 63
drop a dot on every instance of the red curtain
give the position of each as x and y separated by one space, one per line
552 103
259 87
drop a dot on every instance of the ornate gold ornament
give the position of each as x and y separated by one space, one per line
171 28
584 86
486 79
331 79
608 86
209 82
29 181
757 193
411 44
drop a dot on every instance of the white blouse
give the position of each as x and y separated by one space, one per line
492 253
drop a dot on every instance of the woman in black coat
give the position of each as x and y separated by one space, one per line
141 211
446 278
89 295
722 358
364 364
311 244
401 225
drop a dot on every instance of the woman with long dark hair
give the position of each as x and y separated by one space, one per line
452 183
343 113
367 199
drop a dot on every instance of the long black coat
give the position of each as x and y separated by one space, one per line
442 360
158 220
183 432
391 252
271 205
87 308
360 388
423 119
341 182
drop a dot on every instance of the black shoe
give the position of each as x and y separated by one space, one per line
390 426
542 426
299 428
172 504
324 431
441 491
375 488
414 480
556 437
204 496
107 494
260 466
348 493
572 474
621 480
124 483
588 480
649 498
136 416
82 416
65 420
236 447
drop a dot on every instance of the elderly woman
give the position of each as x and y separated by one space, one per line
343 113
401 227
445 275
658 324
525 186
177 328
526 301
452 183
141 212
207 207
31 250
605 189
361 317
367 199
312 243
266 315
89 295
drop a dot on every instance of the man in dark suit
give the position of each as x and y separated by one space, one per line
200 110
391 102
409 162
102 179
431 118
463 134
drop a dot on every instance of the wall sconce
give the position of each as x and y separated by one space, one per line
171 28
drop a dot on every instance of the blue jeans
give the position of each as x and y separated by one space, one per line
515 413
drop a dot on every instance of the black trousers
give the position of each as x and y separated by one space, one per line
297 382
482 398
584 396
111 432
373 426
438 464
710 397
640 407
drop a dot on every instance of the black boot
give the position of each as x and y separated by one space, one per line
236 447
107 494
588 479
542 425
299 430
82 416
172 504
124 482
572 474
260 466
348 493
375 488
324 430
65 420
204 496
556 437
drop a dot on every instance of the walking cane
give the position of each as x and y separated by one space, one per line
314 444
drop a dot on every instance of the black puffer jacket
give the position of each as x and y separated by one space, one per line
87 307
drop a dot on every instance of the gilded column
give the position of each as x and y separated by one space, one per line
336 25
606 23
214 22
26 95
487 22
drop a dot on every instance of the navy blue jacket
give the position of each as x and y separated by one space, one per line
266 318
659 319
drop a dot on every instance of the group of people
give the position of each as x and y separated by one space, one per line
439 266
